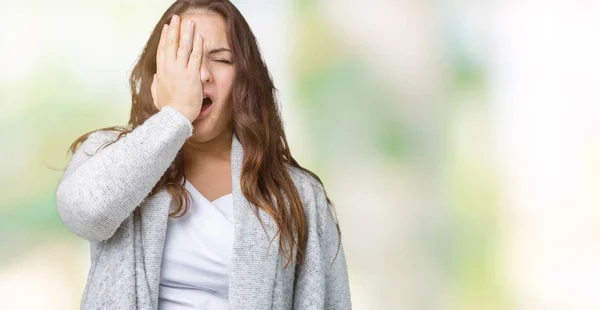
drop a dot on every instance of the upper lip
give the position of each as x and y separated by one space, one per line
207 94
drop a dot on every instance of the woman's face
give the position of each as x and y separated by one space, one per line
217 72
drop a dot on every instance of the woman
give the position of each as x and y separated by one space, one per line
198 203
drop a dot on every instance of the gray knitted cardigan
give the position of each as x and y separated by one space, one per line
100 192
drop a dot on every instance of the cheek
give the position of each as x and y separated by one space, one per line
225 80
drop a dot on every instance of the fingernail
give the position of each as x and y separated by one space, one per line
190 23
175 18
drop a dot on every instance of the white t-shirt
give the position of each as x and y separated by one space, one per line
197 255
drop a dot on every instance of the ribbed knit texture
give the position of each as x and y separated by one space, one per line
99 192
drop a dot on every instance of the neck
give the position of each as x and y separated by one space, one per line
217 149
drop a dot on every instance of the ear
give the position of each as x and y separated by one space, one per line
153 91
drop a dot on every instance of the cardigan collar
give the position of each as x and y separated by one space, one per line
254 256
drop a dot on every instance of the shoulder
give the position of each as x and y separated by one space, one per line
305 183
102 136
321 217
98 139
311 191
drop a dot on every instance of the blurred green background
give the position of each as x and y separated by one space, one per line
458 140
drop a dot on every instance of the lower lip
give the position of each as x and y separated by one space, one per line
204 111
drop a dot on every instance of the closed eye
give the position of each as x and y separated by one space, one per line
223 61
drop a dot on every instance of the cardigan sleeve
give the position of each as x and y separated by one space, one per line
322 280
102 186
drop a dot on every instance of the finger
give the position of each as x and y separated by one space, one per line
172 39
160 53
153 91
185 44
196 55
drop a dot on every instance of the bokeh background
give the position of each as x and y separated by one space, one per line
459 140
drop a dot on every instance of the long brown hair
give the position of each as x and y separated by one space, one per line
256 122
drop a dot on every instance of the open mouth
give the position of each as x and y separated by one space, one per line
206 102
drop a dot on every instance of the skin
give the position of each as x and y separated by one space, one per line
194 60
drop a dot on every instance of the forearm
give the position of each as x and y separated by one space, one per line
98 192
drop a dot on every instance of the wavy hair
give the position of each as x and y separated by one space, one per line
256 122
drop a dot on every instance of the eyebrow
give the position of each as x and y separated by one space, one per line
219 50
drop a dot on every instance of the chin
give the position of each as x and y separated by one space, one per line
204 132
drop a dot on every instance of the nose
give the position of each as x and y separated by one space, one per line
205 73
